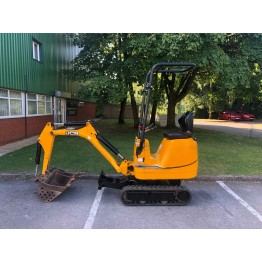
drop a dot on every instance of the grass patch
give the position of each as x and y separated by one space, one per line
222 153
219 153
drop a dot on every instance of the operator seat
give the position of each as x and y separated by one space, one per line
186 124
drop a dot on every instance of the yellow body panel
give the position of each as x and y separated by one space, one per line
174 159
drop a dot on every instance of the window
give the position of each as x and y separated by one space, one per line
31 104
39 104
11 103
37 50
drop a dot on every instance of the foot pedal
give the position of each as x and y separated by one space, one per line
53 183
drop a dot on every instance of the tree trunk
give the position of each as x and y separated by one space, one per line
134 106
210 111
121 118
153 114
171 96
210 102
171 113
176 93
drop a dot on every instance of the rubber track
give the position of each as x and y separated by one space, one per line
175 190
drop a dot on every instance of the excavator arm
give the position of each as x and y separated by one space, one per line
47 138
55 181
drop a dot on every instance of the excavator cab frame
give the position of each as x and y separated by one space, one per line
175 68
148 179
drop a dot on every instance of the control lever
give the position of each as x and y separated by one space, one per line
150 127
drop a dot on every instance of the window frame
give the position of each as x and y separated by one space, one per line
36 45
9 98
47 101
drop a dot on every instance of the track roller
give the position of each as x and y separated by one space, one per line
155 195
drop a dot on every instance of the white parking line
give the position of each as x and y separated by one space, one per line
92 214
241 201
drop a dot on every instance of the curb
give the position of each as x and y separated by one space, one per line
84 176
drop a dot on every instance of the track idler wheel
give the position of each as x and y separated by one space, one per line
53 183
183 197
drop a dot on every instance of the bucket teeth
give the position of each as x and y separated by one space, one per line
54 182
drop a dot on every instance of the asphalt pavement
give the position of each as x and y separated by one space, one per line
244 128
214 205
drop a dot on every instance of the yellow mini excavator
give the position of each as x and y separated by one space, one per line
149 178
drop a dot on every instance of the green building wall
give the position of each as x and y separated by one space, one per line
19 71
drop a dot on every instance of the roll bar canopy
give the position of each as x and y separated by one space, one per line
164 67
167 67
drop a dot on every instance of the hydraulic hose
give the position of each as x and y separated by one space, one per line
108 145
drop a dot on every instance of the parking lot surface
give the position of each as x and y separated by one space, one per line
214 205
243 128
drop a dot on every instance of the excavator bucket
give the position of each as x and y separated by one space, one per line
53 183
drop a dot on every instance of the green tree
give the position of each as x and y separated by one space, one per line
202 49
116 61
238 81
104 69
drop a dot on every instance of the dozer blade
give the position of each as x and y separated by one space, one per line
53 183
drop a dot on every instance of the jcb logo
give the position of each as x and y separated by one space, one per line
72 133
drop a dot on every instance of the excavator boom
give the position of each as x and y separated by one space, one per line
54 181
47 138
